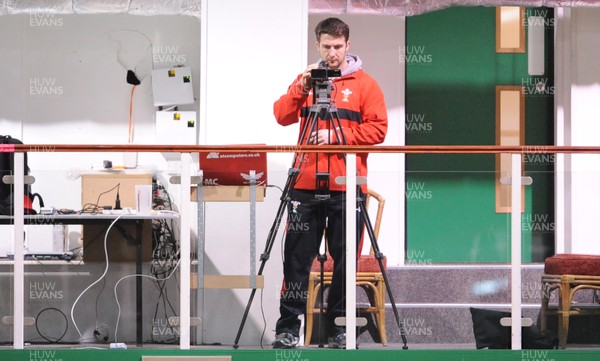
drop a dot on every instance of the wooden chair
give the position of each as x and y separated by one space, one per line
568 273
368 277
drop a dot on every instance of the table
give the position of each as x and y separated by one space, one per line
100 218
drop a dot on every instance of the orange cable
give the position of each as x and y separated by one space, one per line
130 137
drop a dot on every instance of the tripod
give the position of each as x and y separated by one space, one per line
322 108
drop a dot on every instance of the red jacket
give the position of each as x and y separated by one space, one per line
363 117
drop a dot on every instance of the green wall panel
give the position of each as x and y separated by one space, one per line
452 70
470 233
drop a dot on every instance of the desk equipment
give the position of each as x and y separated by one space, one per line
103 189
44 256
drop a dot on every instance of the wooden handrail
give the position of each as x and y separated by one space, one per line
406 149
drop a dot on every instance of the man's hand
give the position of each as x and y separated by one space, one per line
322 136
306 78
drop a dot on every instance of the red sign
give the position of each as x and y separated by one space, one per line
233 168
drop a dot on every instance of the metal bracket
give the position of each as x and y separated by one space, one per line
176 179
526 181
507 322
10 179
10 320
342 180
341 321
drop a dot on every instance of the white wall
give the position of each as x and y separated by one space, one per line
582 130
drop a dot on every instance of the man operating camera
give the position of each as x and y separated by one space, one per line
360 107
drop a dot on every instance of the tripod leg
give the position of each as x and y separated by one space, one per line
379 257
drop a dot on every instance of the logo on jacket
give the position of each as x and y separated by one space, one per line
295 205
346 92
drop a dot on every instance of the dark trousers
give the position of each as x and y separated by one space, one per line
308 219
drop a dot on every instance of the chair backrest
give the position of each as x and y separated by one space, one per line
380 205
371 194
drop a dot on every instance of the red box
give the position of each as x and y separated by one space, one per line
233 168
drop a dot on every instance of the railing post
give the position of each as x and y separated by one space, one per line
351 251
515 244
185 247
19 265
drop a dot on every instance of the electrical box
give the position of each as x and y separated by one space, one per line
172 86
176 127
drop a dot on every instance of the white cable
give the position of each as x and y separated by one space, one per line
104 274
99 279
141 275
136 275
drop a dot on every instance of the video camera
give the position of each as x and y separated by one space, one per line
322 73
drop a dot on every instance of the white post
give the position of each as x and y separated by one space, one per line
562 121
351 251
18 264
516 252
185 247
401 218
